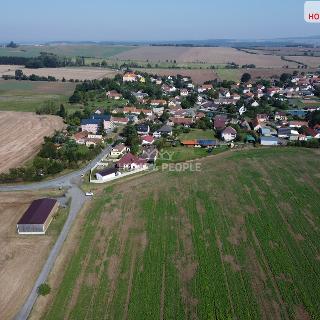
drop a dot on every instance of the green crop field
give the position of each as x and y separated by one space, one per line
237 240
94 51
29 95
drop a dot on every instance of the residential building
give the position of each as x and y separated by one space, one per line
131 162
229 134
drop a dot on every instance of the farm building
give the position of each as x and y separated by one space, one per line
38 216
207 143
200 143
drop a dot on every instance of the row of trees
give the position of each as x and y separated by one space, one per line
44 60
92 89
52 160
19 75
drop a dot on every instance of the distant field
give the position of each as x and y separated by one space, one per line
22 135
285 51
80 73
29 95
256 73
313 62
216 55
237 240
95 51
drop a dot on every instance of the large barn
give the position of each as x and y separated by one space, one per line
38 216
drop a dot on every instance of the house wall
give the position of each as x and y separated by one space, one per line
105 178
269 143
93 128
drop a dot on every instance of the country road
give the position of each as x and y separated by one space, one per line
64 181
70 181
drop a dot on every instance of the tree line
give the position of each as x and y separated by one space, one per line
44 60
52 160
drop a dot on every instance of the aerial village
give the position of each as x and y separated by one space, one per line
209 116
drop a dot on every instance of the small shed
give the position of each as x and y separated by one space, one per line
250 139
207 143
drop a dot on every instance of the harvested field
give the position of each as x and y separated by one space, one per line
256 73
6 69
85 73
67 50
217 55
198 76
313 62
22 135
285 51
21 257
242 245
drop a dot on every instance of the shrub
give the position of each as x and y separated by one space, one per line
44 289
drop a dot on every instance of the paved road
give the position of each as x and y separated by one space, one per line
64 181
70 181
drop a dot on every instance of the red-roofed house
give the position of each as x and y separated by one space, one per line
187 122
131 162
298 124
262 117
113 94
219 122
312 133
147 140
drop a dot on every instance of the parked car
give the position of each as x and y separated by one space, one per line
89 194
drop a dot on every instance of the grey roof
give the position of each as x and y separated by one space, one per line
108 171
165 128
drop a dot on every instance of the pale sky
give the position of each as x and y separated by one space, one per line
128 20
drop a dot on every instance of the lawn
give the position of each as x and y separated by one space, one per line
238 239
229 74
198 134
29 95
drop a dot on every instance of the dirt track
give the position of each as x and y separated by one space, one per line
21 136
21 257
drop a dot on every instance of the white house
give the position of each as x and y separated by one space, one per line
90 125
229 134
147 140
184 92
129 77
108 126
119 150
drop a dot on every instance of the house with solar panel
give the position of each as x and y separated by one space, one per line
38 216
